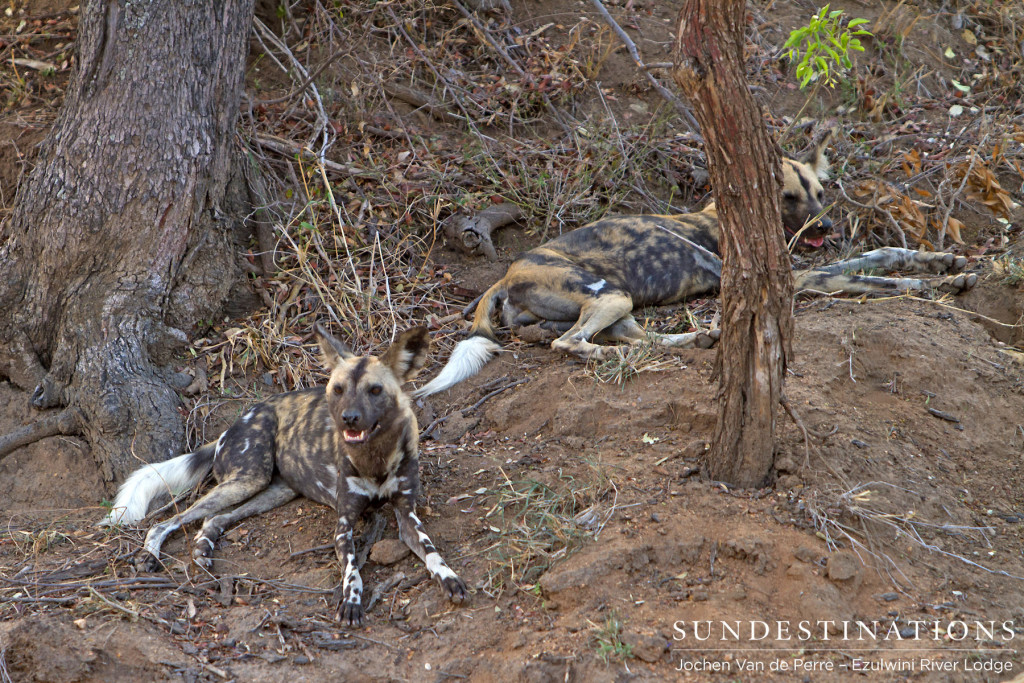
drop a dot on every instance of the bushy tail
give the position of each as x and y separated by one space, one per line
173 477
469 354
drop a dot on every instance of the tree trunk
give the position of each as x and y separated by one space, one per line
757 285
124 234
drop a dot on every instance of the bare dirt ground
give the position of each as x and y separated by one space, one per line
573 504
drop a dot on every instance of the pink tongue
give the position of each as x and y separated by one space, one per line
816 242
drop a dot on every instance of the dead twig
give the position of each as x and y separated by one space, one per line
683 110
419 100
485 34
494 393
289 148
381 588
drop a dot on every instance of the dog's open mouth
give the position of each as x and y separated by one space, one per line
815 242
353 436
357 436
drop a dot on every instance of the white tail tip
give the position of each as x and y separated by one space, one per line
468 357
172 476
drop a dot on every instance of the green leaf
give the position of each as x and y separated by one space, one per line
856 22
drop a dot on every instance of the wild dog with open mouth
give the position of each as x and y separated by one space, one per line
585 283
348 445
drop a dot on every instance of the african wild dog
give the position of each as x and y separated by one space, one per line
585 283
350 445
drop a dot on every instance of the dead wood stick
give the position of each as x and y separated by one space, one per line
289 148
428 433
485 34
68 421
472 305
683 110
305 84
472 235
799 423
381 588
956 193
314 549
421 101
430 65
492 394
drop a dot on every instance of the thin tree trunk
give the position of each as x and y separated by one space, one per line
125 233
757 285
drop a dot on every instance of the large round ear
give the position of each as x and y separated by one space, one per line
407 356
332 351
817 160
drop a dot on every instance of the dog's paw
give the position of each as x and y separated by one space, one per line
705 340
957 284
202 554
148 562
939 262
350 613
202 558
455 588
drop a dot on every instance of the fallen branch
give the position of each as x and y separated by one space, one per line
289 148
485 34
472 235
494 393
803 428
417 99
381 588
683 110
68 421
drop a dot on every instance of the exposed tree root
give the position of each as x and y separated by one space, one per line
67 421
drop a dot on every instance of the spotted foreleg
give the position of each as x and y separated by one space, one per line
821 281
351 505
411 531
275 495
892 259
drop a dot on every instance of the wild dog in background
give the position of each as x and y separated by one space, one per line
585 283
347 446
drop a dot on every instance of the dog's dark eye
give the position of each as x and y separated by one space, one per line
821 195
339 389
789 196
376 389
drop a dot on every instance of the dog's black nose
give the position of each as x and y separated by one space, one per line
824 223
350 417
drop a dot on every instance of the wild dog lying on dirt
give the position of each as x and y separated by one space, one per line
585 283
348 446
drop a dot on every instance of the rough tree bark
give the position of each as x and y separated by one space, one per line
125 232
757 285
